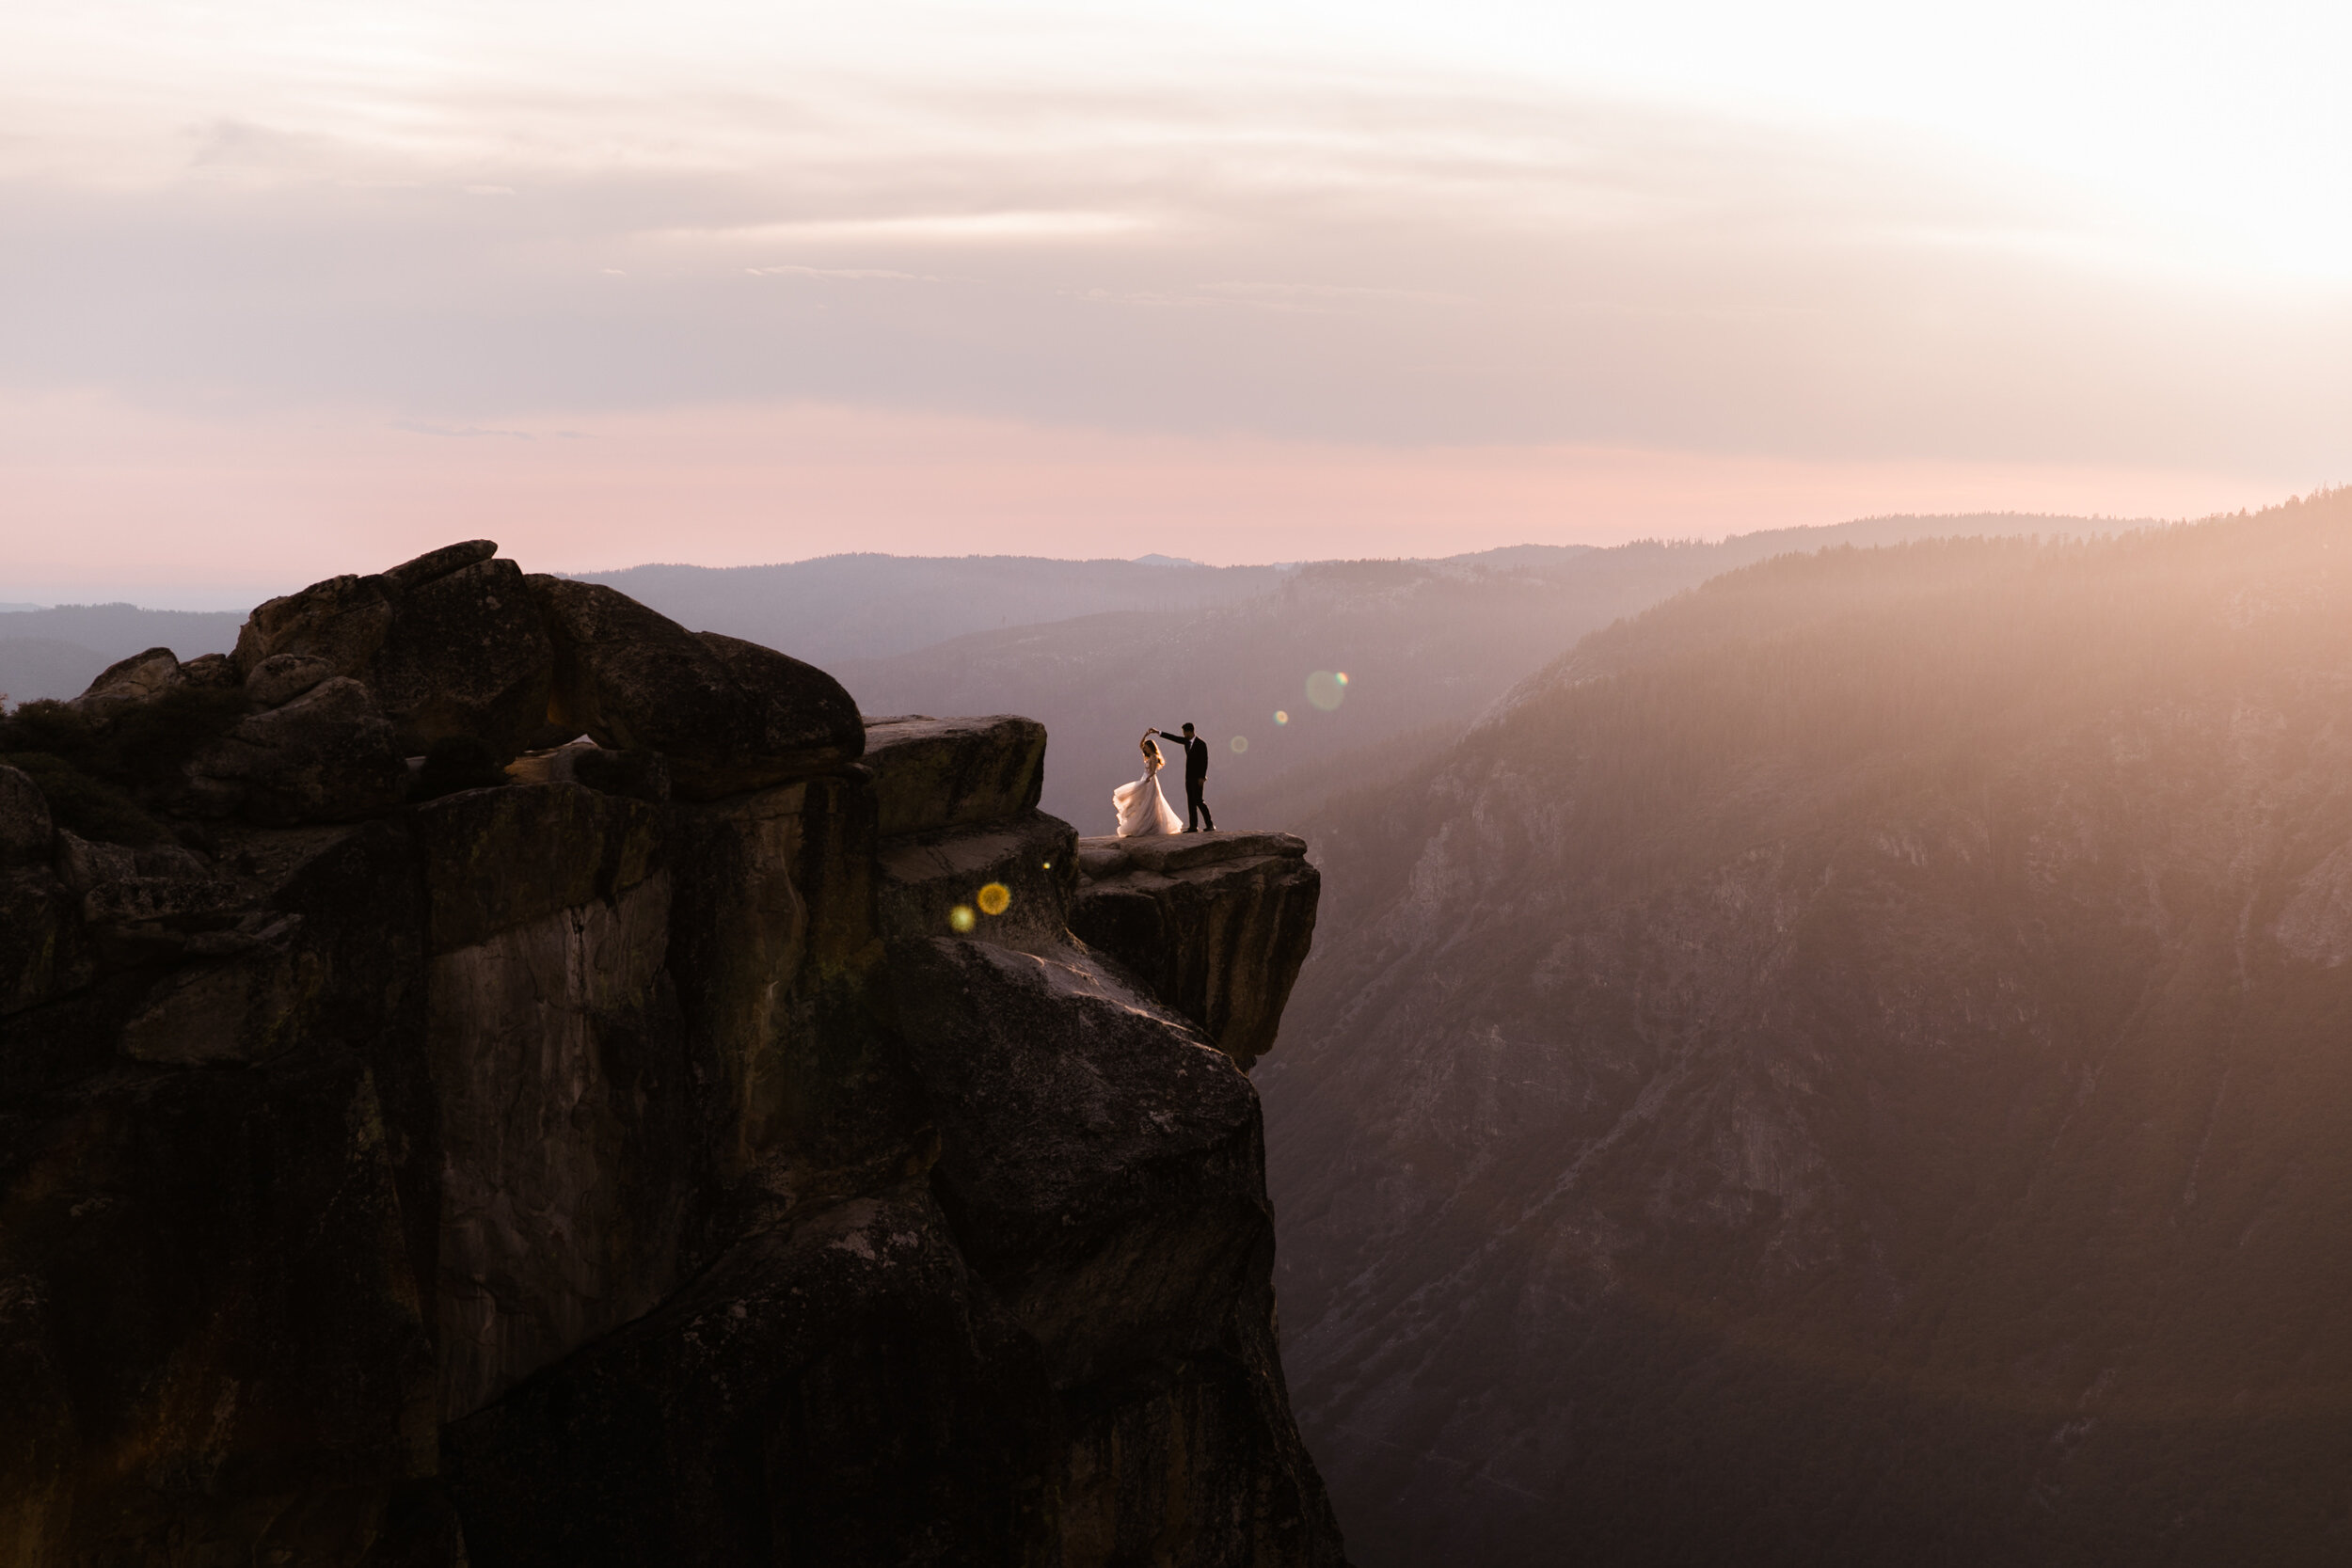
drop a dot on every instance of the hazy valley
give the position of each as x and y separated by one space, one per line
1850 1066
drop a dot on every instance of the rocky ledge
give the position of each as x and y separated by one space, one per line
490 1076
1215 924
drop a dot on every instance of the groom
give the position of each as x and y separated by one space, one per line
1196 778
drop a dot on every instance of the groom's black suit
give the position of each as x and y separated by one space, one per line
1196 778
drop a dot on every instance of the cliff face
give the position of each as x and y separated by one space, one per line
1851 1067
711 1148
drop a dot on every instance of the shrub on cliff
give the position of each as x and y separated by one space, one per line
86 805
142 749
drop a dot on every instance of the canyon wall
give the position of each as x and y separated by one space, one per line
489 1076
1851 1067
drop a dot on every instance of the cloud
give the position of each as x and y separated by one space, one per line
472 432
853 275
1374 256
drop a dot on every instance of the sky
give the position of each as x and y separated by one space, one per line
289 289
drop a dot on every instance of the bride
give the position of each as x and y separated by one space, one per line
1143 811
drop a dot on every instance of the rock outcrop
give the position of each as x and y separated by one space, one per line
1216 923
707 1147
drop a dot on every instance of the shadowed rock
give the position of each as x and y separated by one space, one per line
25 825
434 565
797 710
341 621
466 656
550 1166
344 620
1213 924
926 877
954 772
449 644
281 677
1105 1172
210 671
38 935
325 756
729 716
127 683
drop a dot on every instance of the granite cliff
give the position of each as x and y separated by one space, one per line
672 1121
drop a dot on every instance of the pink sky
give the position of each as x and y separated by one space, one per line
175 510
287 291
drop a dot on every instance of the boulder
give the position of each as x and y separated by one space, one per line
341 621
799 710
950 772
211 671
466 655
128 682
1213 924
281 677
25 830
433 565
83 866
729 716
327 757
450 643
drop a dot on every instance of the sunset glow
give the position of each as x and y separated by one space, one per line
1309 280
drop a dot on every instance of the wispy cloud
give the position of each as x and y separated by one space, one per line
851 275
476 432
1176 235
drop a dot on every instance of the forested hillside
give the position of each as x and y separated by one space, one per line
839 606
55 653
1851 1065
1426 645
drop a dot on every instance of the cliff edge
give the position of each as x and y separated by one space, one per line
490 1076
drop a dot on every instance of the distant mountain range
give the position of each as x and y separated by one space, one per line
1426 646
55 652
847 607
855 612
1851 1065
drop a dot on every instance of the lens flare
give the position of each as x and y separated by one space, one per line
1240 744
996 898
1280 716
961 917
1325 690
1341 678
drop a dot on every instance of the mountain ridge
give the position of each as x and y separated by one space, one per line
1837 1070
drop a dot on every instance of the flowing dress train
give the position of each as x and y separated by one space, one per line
1143 811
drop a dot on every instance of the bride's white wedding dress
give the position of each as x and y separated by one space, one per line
1143 811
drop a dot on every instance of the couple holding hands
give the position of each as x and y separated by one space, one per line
1143 811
